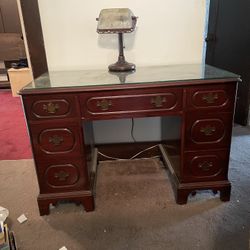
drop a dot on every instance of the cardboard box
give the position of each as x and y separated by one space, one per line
19 78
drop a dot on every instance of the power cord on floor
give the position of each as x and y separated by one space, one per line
137 154
133 157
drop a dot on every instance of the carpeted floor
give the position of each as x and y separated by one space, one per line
135 209
14 140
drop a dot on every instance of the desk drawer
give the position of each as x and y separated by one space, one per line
208 131
61 175
219 97
163 100
56 140
51 106
205 165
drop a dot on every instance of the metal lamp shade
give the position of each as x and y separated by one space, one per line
117 20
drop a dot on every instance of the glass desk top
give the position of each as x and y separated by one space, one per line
169 73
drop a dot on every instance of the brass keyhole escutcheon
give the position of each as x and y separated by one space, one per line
56 140
51 107
158 101
208 130
210 98
104 104
206 166
61 176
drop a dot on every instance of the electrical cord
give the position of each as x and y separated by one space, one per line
131 158
137 154
132 129
110 157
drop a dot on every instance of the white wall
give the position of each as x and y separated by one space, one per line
168 32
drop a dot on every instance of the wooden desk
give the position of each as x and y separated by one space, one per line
57 105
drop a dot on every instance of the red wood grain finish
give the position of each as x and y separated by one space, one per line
205 165
205 131
120 103
216 97
51 107
62 175
164 101
62 157
56 139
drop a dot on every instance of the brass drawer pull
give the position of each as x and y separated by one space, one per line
51 107
206 166
158 101
56 140
104 104
208 130
61 176
210 98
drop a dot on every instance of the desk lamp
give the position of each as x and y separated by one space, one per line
118 21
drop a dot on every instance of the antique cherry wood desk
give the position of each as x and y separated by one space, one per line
59 104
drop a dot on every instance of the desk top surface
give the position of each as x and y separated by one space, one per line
170 75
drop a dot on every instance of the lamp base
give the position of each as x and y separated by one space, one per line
121 65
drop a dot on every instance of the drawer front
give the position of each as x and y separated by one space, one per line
169 100
50 140
220 97
51 107
208 131
208 165
61 175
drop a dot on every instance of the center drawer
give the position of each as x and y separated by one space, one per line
146 102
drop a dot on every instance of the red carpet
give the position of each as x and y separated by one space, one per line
14 139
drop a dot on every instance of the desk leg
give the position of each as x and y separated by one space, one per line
43 207
225 193
88 203
85 198
182 196
182 190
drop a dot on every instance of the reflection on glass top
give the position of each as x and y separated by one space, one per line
170 73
